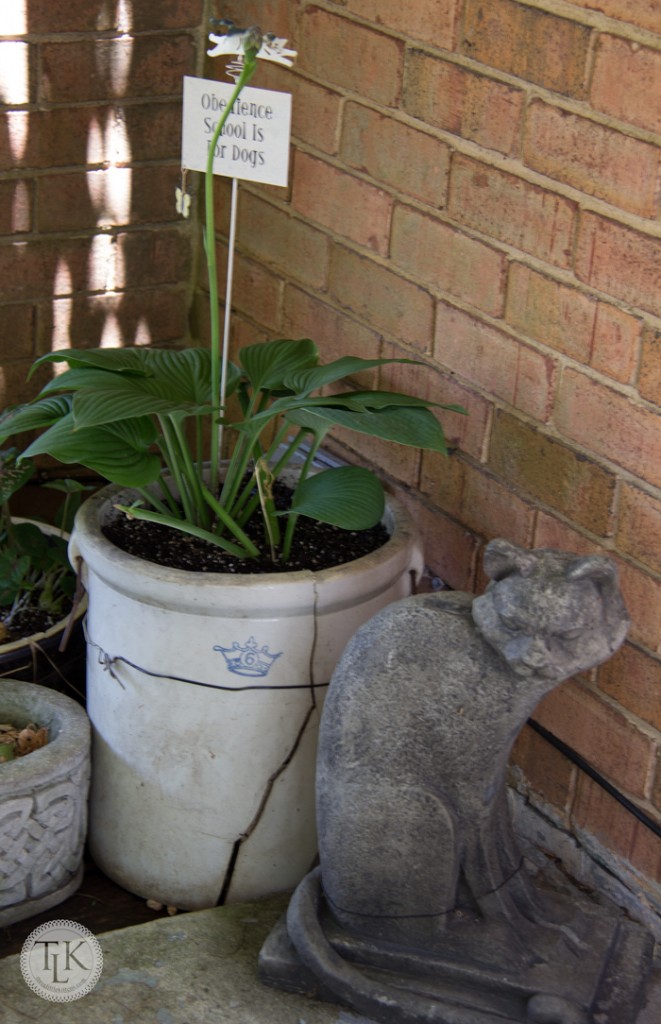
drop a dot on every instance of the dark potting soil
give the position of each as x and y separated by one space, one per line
316 546
28 622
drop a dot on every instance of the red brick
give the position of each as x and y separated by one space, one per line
466 432
450 550
512 210
168 14
643 13
431 20
639 527
620 61
526 42
546 770
256 291
476 499
106 198
601 733
649 379
472 106
15 207
355 58
616 343
270 235
553 533
345 205
154 129
608 423
620 261
55 16
551 313
335 333
382 148
494 361
85 136
448 261
79 70
633 679
399 463
381 299
28 269
551 473
593 158
14 386
316 114
18 332
607 820
149 258
642 596
156 317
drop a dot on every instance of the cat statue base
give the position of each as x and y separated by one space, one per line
422 910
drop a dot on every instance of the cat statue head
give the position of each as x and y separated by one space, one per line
548 613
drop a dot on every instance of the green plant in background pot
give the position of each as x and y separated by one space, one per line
37 583
225 809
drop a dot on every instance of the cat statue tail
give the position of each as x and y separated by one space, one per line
381 1002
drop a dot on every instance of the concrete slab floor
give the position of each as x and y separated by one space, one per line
197 968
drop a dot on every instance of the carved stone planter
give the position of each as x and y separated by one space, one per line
43 803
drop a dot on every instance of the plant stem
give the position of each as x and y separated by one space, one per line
250 63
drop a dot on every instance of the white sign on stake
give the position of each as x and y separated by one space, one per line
254 144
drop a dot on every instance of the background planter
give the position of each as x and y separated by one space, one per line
206 792
43 803
37 659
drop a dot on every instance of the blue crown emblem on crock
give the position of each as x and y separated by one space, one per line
249 660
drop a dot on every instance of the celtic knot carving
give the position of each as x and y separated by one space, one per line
42 837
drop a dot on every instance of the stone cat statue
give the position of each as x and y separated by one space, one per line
420 718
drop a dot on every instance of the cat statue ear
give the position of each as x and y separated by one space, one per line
602 572
502 558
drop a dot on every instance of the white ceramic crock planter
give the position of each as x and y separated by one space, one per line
206 792
43 803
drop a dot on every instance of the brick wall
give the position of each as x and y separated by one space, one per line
474 183
477 183
91 249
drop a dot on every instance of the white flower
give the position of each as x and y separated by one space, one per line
237 40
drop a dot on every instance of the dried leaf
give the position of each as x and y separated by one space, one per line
21 741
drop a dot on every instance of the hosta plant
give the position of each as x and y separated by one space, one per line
150 418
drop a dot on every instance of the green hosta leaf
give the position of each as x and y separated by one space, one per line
269 364
415 426
306 381
349 497
234 376
122 400
120 452
116 360
385 399
67 486
172 382
40 414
